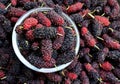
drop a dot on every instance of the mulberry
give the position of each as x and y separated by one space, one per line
46 49
84 78
60 38
54 77
55 18
110 43
16 12
43 20
66 57
45 32
68 40
77 18
29 22
75 7
30 5
107 66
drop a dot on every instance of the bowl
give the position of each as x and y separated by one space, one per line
21 57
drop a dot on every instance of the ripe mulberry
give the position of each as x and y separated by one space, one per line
46 49
29 22
75 7
60 38
43 19
55 18
45 32
68 40
66 57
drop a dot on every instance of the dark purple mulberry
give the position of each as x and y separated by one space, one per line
46 49
66 57
114 55
101 55
116 72
45 32
78 68
54 77
96 28
77 18
68 40
30 5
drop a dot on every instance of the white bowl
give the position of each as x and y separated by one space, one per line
21 57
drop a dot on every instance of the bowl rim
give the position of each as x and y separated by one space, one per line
21 57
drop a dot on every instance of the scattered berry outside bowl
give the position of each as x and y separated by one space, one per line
45 41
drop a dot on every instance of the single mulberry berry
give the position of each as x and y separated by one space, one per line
75 7
43 19
68 40
15 12
55 18
110 43
46 49
107 66
102 20
30 5
66 57
77 18
29 22
101 55
89 39
114 55
45 32
96 28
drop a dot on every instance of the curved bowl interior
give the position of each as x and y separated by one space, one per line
21 57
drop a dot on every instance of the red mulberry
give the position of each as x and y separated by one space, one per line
29 22
16 12
75 7
43 20
55 18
